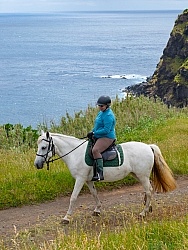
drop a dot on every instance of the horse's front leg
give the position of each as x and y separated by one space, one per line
77 188
93 191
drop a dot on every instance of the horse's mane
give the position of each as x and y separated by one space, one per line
58 135
64 136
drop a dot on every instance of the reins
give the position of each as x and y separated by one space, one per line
52 160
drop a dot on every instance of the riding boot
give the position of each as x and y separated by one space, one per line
99 163
95 174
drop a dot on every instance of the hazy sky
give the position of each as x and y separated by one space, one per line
8 6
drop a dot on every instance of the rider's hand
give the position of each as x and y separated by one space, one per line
90 135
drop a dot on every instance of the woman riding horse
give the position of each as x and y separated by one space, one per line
103 134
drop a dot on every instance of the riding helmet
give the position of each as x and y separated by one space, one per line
104 100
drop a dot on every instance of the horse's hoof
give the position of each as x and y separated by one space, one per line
65 222
150 209
96 213
142 215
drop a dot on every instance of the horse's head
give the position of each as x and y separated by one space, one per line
46 150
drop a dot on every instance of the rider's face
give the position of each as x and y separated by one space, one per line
102 107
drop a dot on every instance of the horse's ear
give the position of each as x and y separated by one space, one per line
47 134
42 132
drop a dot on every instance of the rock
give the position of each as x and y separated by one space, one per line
170 79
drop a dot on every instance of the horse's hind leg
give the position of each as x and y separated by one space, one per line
93 191
148 193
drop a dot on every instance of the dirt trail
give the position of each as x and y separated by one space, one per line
27 216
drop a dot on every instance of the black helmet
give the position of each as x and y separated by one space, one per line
104 100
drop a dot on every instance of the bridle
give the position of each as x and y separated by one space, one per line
51 148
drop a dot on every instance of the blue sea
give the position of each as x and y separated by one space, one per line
55 63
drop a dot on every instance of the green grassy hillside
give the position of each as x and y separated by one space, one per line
138 119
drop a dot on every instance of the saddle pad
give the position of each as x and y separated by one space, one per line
112 163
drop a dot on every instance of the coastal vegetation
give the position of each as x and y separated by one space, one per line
140 119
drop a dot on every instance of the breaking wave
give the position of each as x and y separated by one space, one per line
140 78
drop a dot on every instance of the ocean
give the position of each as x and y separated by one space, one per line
53 63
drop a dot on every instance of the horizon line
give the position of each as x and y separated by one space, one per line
84 11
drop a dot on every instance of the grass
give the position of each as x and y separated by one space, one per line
113 231
172 140
138 119
22 184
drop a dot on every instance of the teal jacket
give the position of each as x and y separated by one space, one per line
104 125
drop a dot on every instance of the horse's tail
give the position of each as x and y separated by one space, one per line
163 180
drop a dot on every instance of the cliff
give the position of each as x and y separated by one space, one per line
169 82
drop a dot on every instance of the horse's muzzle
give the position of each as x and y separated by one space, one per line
39 165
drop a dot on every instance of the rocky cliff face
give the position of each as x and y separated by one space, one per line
170 79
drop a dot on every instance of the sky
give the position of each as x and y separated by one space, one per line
27 6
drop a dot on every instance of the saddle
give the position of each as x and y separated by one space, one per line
108 154
112 156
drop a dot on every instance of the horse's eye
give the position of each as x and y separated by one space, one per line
44 147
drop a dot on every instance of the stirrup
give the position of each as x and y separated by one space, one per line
101 177
100 174
96 178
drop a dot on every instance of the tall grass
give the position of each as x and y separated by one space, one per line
138 119
22 184
16 136
172 139
133 115
165 234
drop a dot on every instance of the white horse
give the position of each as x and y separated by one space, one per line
140 160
